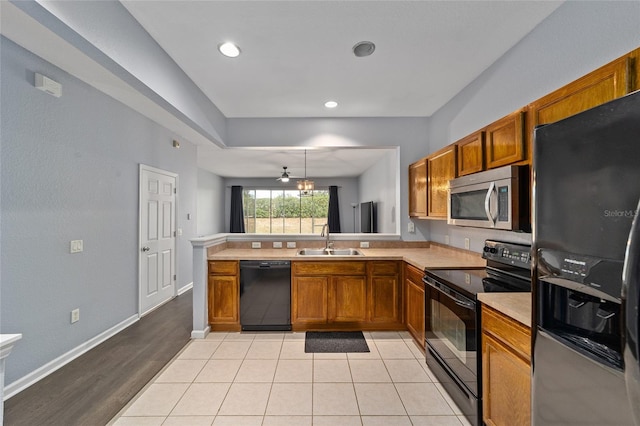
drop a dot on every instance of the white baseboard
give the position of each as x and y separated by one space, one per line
200 334
185 288
42 372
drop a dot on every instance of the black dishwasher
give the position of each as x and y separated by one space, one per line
265 295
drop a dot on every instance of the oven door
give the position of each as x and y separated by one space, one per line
451 331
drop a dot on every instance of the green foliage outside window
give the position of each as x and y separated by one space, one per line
284 211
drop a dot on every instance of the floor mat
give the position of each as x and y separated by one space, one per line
335 342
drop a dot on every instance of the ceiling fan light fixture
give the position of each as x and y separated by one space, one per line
363 48
229 50
285 175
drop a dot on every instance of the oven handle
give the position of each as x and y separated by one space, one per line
450 293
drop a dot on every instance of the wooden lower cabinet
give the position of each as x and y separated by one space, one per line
385 293
346 295
309 300
506 370
223 300
348 299
414 303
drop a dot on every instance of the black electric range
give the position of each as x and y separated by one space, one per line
452 318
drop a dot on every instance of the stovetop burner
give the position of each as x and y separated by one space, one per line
508 270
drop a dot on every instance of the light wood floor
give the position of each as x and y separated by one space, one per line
93 388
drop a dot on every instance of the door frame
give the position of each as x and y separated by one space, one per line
142 168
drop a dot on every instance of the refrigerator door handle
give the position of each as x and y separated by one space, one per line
631 308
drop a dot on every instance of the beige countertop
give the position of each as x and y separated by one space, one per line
434 257
513 305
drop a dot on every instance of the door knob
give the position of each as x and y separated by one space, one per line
146 248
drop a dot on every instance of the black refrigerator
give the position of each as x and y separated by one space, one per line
585 339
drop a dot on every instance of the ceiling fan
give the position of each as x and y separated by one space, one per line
285 176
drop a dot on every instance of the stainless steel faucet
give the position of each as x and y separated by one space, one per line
328 244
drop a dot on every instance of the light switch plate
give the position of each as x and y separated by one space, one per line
277 244
75 315
446 239
411 227
364 244
291 244
256 244
76 246
467 243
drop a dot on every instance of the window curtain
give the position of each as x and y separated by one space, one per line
237 214
333 218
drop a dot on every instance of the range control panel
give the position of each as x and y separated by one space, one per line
509 253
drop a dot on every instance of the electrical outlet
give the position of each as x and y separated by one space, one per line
291 244
277 244
467 243
256 244
75 315
364 244
446 239
75 246
411 227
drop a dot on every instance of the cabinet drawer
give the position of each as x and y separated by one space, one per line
223 267
383 267
413 274
508 331
329 268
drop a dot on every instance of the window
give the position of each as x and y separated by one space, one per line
282 211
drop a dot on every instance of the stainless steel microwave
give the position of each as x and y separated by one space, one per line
496 199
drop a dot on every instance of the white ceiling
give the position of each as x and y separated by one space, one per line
268 162
297 54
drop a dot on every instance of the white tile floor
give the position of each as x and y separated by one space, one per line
267 379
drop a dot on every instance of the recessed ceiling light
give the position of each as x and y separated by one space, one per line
363 48
330 104
229 49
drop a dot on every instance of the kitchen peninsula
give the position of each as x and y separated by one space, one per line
415 255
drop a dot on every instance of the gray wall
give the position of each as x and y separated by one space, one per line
409 134
573 41
347 193
379 183
70 171
210 203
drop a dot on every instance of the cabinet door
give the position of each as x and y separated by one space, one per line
348 299
418 189
506 385
384 299
471 154
415 310
309 297
441 168
223 299
504 141
602 85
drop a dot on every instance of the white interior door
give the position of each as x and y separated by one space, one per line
157 251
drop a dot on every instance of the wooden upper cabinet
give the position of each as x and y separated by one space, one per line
471 154
418 189
441 168
602 85
504 141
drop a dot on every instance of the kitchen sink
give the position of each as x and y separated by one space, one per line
329 252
